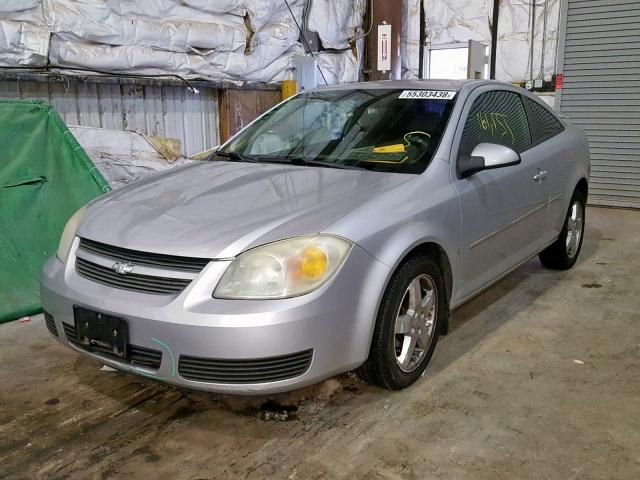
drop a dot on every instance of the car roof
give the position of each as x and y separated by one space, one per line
430 84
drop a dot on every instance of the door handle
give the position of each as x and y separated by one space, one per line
541 175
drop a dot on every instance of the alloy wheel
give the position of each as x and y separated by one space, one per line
415 321
574 229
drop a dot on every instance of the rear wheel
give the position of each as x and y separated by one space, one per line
408 323
563 253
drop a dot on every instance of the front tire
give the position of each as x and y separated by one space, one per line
412 310
563 253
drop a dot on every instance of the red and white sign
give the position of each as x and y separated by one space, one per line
384 47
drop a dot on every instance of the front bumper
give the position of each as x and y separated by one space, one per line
335 322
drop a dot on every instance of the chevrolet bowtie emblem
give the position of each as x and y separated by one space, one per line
122 268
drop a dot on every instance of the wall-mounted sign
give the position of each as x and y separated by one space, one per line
384 47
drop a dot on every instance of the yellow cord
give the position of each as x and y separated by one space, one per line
407 144
419 132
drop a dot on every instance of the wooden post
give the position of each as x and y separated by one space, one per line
238 107
494 39
423 37
389 11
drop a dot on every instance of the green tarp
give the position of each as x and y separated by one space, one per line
45 176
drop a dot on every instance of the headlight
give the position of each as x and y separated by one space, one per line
283 269
68 234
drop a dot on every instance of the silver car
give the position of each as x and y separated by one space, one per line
335 232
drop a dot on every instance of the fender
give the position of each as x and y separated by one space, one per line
397 231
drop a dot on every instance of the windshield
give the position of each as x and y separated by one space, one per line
382 130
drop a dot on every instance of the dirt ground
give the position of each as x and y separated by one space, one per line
539 378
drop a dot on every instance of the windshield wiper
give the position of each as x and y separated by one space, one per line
320 163
238 157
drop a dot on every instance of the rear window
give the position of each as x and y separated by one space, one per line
543 123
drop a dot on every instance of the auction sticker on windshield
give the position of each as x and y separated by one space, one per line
428 94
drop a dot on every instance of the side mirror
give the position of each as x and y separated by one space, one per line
487 156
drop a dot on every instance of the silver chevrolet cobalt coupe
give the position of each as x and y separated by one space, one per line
335 232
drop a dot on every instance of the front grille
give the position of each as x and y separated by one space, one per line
131 281
70 332
257 370
50 323
147 357
156 260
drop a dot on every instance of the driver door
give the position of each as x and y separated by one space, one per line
502 210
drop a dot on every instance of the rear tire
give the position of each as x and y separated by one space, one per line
563 253
412 311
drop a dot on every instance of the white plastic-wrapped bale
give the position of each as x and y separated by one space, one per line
336 21
246 40
125 37
129 59
23 44
338 67
24 35
275 35
202 10
99 22
122 157
264 12
410 48
147 61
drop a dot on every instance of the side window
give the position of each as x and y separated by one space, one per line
544 124
496 117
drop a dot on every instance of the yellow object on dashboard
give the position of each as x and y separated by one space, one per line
396 148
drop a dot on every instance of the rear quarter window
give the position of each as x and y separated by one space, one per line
544 124
499 117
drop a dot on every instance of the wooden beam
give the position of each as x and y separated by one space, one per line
237 108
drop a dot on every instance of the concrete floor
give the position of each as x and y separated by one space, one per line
539 378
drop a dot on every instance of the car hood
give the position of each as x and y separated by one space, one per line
218 209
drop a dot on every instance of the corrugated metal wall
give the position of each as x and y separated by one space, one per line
601 93
167 111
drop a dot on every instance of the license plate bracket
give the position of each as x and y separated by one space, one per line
101 332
